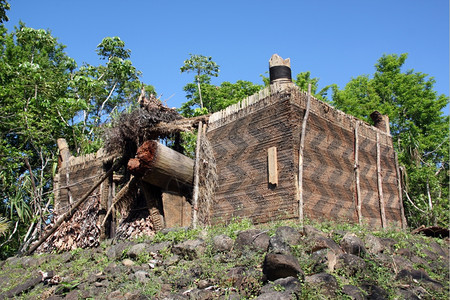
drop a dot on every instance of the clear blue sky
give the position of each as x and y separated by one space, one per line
335 40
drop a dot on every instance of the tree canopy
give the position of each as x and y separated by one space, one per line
419 130
44 96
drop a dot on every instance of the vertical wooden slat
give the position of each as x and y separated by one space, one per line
380 184
400 192
272 165
356 168
300 156
196 177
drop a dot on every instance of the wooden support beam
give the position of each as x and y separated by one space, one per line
300 156
196 177
380 184
400 193
272 163
162 167
357 180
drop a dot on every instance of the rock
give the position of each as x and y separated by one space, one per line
353 292
289 235
127 262
419 275
275 296
404 252
190 249
171 260
350 264
235 276
374 292
402 263
352 244
116 251
320 242
388 244
281 266
158 247
137 250
311 231
373 244
277 245
441 251
24 287
289 284
407 294
204 283
142 276
252 239
222 243
319 261
325 282
198 294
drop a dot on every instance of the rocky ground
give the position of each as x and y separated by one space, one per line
240 261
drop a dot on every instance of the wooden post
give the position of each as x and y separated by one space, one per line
300 156
400 193
380 184
272 164
162 167
196 177
356 168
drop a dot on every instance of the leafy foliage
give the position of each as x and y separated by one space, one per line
204 67
216 98
419 130
44 96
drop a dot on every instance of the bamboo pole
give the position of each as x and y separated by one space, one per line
356 168
73 209
380 184
400 193
196 177
300 156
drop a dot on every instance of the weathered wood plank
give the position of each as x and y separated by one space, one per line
272 162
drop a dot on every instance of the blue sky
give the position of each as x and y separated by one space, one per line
335 40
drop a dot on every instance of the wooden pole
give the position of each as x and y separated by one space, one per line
73 209
196 177
380 184
162 167
356 168
300 156
400 193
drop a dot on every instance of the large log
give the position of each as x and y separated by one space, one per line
163 167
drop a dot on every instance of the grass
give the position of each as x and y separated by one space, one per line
212 265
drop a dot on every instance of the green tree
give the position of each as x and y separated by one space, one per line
43 96
303 79
419 130
34 78
4 6
216 97
104 89
203 67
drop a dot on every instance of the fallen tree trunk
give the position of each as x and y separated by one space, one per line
163 167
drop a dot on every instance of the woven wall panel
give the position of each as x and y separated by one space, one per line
241 153
240 144
82 177
368 182
328 171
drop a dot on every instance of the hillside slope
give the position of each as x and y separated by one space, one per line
240 261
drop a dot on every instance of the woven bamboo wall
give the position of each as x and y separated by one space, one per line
240 145
241 136
75 177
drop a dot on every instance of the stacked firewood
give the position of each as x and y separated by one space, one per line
136 228
81 231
